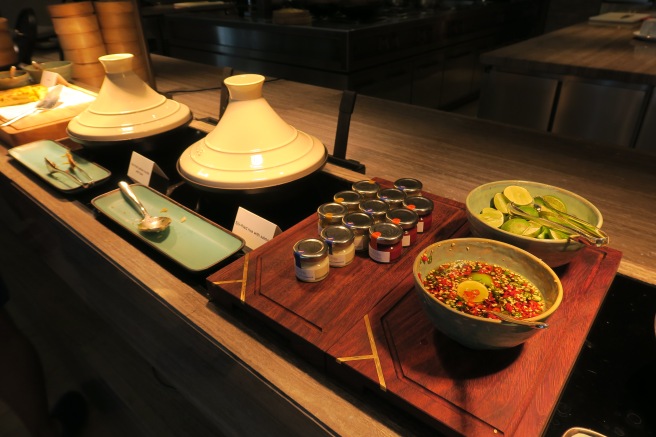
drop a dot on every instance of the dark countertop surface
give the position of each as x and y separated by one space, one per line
583 50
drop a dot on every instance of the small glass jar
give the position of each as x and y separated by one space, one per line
341 247
359 223
311 260
375 208
385 244
350 199
392 196
411 187
423 206
330 214
367 189
407 219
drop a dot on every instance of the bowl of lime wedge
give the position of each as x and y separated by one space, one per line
533 216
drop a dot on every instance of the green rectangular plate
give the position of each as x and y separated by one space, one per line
191 240
32 155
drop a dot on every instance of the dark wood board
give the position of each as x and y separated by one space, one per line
395 351
364 324
313 316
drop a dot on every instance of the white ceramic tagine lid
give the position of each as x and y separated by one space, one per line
126 108
252 147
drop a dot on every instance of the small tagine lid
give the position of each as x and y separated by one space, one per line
126 108
252 147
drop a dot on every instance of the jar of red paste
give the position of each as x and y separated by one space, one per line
423 206
385 245
407 220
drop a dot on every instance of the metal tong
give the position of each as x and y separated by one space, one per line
52 168
577 229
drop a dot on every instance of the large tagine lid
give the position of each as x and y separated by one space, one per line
252 147
126 108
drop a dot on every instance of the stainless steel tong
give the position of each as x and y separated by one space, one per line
52 168
577 229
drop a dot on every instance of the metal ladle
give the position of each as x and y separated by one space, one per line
149 223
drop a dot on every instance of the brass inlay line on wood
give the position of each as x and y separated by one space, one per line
243 280
373 356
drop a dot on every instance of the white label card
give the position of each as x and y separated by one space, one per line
141 169
49 78
254 229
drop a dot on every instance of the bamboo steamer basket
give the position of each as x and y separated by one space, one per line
93 69
92 81
8 55
70 9
133 47
107 8
85 55
78 24
81 40
111 21
120 34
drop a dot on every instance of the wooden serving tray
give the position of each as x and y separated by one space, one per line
42 125
364 325
313 316
395 351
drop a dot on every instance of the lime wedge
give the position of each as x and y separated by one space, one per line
532 230
544 233
558 235
518 195
500 202
522 227
492 217
555 203
529 210
483 278
472 291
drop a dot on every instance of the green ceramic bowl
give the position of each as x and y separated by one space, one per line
477 332
21 78
64 68
553 252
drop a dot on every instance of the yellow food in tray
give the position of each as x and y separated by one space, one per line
22 95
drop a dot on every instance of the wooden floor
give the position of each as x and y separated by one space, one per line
80 352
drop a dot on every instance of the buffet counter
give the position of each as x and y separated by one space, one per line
563 75
239 374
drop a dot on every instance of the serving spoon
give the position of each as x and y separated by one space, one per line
529 323
149 223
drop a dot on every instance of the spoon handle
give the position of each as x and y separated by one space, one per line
529 323
125 189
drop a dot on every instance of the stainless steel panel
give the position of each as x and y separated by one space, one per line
598 112
517 99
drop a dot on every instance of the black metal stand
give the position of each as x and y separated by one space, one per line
341 137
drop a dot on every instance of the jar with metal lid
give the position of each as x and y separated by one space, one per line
311 260
341 248
375 208
392 196
359 223
349 198
423 206
385 244
410 186
330 214
367 189
407 219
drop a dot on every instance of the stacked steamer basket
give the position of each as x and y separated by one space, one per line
78 32
8 55
121 32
